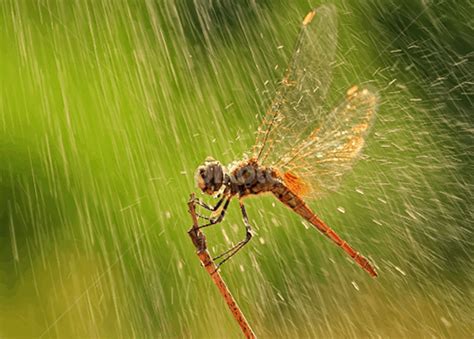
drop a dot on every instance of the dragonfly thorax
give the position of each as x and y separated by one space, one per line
239 178
248 177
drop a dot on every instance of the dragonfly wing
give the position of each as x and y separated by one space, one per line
331 149
298 104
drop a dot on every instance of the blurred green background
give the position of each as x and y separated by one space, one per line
106 109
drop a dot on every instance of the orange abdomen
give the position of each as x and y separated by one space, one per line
297 204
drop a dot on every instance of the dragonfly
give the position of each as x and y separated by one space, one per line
302 149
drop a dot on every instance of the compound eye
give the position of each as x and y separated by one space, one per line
201 183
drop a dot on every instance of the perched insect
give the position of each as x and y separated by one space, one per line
302 150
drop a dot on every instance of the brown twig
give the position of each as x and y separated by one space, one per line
199 241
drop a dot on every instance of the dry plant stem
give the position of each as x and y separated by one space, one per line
199 241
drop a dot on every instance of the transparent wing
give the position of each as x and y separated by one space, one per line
320 161
297 107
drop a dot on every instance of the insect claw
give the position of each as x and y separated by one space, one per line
217 268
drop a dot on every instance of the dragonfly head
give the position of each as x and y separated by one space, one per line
210 176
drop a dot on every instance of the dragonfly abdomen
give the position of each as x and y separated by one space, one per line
298 205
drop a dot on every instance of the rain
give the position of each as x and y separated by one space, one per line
106 110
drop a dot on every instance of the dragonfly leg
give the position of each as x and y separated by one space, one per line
248 235
209 207
220 217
